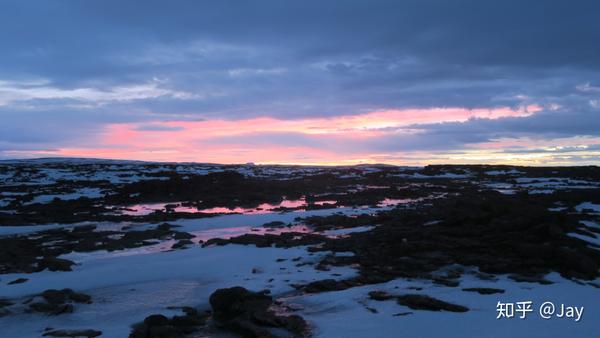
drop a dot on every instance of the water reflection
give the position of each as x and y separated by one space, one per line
264 208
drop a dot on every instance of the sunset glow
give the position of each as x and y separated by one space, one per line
328 141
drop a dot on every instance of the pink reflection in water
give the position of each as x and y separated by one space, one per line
222 210
391 201
142 209
264 208
325 202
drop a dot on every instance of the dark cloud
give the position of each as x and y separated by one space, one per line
544 125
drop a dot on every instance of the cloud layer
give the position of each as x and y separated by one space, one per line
309 82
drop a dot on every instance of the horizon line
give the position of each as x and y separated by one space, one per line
98 159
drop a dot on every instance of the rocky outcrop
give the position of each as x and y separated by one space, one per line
55 302
72 333
418 302
160 326
248 313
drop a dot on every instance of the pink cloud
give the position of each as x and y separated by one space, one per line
194 140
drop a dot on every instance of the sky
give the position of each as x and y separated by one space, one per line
407 82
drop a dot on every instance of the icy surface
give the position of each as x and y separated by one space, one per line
326 309
85 192
346 231
127 288
588 206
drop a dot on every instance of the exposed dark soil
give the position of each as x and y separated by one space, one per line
499 234
27 253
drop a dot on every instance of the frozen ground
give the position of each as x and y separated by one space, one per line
130 283
127 286
344 313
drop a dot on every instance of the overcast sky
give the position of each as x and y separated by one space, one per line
330 82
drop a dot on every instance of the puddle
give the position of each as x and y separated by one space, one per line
324 202
387 202
149 208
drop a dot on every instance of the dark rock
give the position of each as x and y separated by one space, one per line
484 291
188 320
57 302
293 323
274 224
53 296
182 235
325 285
18 281
51 309
164 227
61 296
73 333
55 264
156 320
159 326
417 288
284 240
181 244
423 302
84 228
79 297
380 295
370 309
446 282
233 302
164 331
247 313
4 302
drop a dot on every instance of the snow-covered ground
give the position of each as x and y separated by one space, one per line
84 192
53 170
344 313
126 289
588 206
128 285
541 185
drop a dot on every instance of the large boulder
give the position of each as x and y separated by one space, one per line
230 303
248 313
424 302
